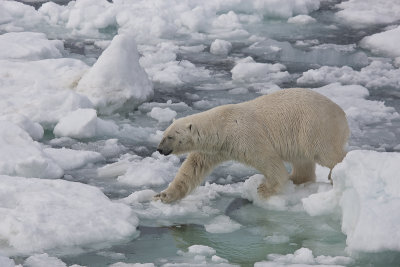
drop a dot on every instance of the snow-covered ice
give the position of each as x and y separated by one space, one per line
117 79
384 42
41 215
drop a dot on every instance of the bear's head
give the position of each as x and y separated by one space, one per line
177 138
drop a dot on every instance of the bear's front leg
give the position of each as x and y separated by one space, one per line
192 172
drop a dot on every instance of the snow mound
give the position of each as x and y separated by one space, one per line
21 156
366 189
29 46
84 123
117 79
384 42
41 90
38 215
220 47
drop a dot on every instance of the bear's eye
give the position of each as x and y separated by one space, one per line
170 137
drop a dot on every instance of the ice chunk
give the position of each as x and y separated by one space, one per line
201 250
83 123
29 46
21 156
43 260
304 257
366 187
15 16
222 224
378 74
34 129
249 70
155 170
117 79
220 47
122 264
69 159
38 215
162 114
6 262
366 13
301 19
41 90
383 43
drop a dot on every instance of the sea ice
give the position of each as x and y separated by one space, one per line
41 90
84 123
43 260
303 257
384 43
366 189
34 129
6 262
366 13
69 159
21 156
378 74
222 224
117 79
29 46
39 215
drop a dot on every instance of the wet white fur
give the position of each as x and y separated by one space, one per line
298 126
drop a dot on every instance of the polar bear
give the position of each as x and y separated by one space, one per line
296 125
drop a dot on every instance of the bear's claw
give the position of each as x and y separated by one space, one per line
165 197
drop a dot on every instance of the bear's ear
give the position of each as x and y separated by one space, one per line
189 126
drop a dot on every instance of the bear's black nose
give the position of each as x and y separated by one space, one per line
159 150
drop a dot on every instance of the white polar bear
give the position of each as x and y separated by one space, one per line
298 126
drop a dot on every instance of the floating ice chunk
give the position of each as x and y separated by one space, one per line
220 47
6 262
222 224
249 70
201 250
304 257
151 171
384 43
21 156
179 107
301 19
35 130
162 66
366 187
117 79
43 260
38 215
378 74
69 159
83 123
366 13
29 45
162 114
289 199
41 90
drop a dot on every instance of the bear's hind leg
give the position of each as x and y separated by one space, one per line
303 171
275 176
